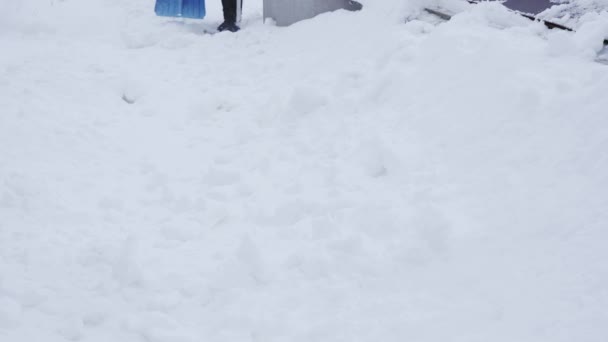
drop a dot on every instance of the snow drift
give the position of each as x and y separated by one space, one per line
351 177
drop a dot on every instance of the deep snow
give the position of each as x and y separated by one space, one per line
348 178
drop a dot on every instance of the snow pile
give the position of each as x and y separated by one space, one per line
577 8
349 178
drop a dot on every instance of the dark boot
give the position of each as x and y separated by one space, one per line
228 26
352 5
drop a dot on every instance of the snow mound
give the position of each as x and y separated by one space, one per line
354 177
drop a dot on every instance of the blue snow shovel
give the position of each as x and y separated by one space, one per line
194 9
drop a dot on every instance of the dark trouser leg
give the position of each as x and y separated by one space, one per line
231 13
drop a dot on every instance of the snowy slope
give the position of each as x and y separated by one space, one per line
348 178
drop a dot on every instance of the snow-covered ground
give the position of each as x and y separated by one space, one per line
348 178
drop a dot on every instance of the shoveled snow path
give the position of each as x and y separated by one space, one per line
349 178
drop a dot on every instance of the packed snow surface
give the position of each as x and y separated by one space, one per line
349 178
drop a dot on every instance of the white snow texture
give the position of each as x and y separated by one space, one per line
370 176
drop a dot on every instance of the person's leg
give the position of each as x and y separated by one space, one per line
232 10
227 6
232 15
